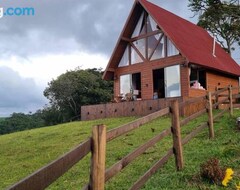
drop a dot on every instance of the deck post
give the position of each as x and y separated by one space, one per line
97 175
176 133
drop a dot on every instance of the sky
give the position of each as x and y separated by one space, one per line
60 36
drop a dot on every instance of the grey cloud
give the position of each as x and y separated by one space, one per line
62 26
18 94
67 25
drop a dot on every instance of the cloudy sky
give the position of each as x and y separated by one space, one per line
61 35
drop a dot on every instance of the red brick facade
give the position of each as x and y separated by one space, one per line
146 70
218 80
213 79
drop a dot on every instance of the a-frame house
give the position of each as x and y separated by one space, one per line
160 55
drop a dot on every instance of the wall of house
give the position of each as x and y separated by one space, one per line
196 92
184 71
146 70
219 80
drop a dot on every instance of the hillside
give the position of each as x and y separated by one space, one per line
24 152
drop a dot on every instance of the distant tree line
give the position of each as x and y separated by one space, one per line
66 95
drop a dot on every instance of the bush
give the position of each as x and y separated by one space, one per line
212 172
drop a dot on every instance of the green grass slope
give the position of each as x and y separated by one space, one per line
24 152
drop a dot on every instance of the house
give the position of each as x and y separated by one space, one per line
160 55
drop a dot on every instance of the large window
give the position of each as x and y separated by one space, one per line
166 82
131 83
148 42
172 81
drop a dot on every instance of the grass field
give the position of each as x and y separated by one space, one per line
24 152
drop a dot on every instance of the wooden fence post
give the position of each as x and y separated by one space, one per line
97 175
230 100
176 131
210 116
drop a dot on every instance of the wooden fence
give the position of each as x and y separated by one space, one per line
97 144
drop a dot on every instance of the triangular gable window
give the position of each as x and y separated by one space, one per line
135 58
125 58
171 49
140 45
140 29
147 43
159 51
151 24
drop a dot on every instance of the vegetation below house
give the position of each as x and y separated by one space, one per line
24 152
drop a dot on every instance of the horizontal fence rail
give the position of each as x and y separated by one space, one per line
192 100
96 145
114 133
152 170
133 155
192 117
48 174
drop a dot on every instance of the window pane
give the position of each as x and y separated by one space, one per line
135 58
140 26
125 59
140 45
171 49
125 84
152 42
172 81
151 24
159 52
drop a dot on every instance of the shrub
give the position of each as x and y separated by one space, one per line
212 172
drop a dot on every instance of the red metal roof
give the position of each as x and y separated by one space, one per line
192 41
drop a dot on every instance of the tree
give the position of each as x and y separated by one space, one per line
20 122
75 88
221 18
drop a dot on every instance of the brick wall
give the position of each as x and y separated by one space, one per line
218 80
196 92
184 71
213 79
146 70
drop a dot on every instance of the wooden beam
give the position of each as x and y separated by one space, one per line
193 116
192 100
152 170
138 52
117 167
159 40
111 69
42 178
190 136
114 133
126 39
146 35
